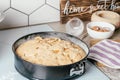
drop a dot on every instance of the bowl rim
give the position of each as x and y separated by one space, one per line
112 27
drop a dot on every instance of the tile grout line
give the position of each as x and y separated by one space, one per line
52 6
18 10
10 3
33 12
22 13
28 15
36 9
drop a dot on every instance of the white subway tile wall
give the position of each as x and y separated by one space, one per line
27 6
45 14
4 5
54 3
29 12
13 19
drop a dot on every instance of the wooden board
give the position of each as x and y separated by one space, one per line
82 9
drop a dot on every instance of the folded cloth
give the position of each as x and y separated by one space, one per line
106 52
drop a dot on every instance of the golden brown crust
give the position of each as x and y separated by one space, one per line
50 51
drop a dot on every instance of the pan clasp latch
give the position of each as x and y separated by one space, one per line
78 69
35 79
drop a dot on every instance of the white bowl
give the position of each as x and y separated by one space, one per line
100 35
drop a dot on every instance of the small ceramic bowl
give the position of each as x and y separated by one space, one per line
100 30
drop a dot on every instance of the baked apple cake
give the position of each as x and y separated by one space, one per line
50 51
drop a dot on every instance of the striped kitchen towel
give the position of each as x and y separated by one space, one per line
106 52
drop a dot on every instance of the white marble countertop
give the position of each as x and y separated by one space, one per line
9 36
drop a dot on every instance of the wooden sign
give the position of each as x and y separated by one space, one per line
82 9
